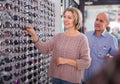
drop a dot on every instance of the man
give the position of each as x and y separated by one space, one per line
102 45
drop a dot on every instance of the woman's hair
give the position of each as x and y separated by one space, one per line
77 16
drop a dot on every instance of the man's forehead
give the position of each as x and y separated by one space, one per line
102 16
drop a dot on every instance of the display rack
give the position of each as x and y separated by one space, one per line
20 61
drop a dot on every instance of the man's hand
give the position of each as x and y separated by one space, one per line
107 57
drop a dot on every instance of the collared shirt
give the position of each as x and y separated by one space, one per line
99 47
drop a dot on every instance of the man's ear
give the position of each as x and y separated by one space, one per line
107 24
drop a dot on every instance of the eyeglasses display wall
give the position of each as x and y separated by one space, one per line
20 61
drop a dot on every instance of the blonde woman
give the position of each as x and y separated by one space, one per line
70 50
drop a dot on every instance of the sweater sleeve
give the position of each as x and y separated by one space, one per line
84 61
45 47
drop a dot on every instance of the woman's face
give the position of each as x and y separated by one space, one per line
68 20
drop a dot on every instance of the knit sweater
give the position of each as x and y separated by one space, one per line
72 47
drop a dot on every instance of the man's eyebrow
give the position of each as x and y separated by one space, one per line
99 19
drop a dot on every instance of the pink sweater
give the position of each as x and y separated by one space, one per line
73 47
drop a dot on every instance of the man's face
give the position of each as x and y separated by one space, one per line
101 22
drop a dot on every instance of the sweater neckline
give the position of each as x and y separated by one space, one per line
71 36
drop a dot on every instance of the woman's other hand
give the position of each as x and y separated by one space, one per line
62 60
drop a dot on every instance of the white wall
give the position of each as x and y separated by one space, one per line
57 15
92 11
77 1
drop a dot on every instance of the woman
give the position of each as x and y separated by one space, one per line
70 51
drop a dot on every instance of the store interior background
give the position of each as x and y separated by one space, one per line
20 61
90 8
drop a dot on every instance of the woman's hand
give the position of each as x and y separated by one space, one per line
62 60
32 32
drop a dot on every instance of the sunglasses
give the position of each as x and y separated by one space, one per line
20 61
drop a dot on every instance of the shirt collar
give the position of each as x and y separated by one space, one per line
103 33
